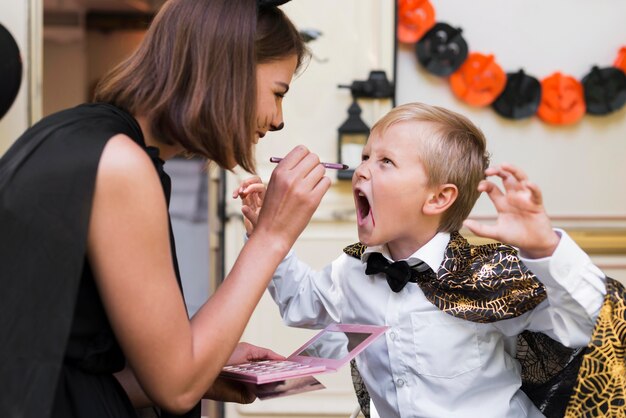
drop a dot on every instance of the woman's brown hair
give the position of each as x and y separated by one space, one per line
194 75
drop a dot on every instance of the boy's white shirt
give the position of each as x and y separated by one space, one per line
430 364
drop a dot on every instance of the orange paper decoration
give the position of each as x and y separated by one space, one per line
415 18
620 61
562 100
479 81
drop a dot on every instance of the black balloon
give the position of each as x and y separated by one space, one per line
605 90
520 98
10 70
442 50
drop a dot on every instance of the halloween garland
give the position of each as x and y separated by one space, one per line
478 80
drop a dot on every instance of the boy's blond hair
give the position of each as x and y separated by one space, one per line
455 154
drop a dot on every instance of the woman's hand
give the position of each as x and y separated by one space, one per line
245 352
522 220
294 192
229 390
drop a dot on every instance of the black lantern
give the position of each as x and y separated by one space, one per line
353 134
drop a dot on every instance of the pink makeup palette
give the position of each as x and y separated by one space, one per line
327 351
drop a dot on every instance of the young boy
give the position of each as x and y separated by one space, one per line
455 310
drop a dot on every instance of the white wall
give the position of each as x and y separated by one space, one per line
573 164
580 168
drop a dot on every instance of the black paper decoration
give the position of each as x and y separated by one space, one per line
520 98
605 90
442 49
10 70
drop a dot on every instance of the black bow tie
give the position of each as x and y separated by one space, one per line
398 273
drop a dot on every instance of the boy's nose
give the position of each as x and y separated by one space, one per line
361 171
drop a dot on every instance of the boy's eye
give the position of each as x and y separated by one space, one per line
387 161
365 157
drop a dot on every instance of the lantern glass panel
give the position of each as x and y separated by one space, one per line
351 149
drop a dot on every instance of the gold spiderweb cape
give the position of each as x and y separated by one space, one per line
488 283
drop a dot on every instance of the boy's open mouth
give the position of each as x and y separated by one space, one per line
363 208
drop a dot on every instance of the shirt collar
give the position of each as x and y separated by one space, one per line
431 253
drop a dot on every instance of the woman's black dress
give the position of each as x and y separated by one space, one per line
58 352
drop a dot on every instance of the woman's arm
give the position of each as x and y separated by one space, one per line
176 360
306 298
225 390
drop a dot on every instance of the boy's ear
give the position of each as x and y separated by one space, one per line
441 199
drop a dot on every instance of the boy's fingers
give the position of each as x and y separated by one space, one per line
250 180
535 191
236 192
495 194
250 214
511 176
245 184
492 171
481 230
490 188
509 181
253 188
518 173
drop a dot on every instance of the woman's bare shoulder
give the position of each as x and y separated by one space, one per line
124 157
127 180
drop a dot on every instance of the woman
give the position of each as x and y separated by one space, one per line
89 272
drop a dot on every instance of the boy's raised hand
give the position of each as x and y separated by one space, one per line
522 220
252 192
